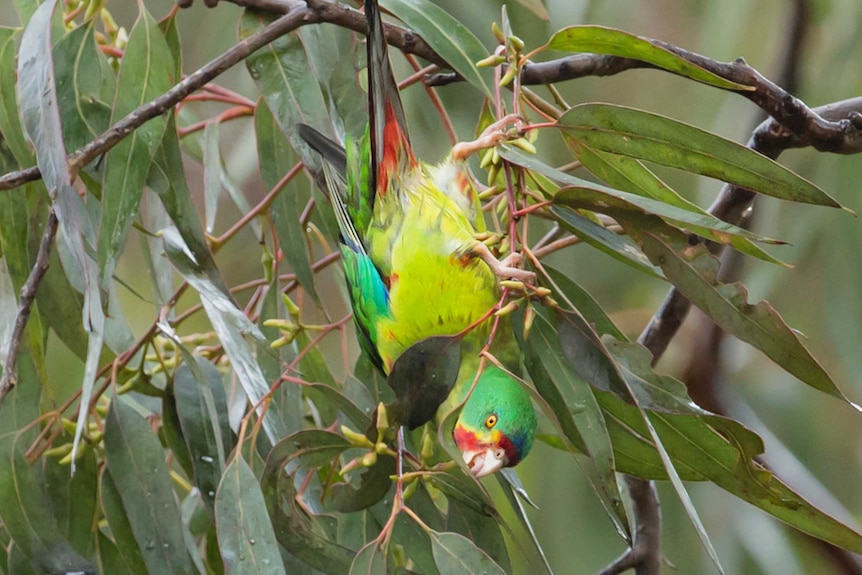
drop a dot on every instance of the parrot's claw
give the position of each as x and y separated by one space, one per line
490 137
505 269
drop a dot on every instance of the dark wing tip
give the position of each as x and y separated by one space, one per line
331 151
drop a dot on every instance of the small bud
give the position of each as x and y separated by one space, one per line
487 159
508 76
350 466
516 42
542 292
427 450
524 144
355 438
493 172
59 451
489 192
291 307
369 459
409 490
381 448
512 285
382 419
529 316
498 34
490 61
508 308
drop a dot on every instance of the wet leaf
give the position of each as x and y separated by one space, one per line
137 467
202 410
26 513
245 535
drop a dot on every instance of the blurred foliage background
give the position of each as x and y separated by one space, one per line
812 440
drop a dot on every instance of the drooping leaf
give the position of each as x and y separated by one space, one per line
276 159
602 40
137 467
146 72
234 330
167 178
454 42
693 271
130 553
246 539
577 412
39 110
26 513
579 299
202 412
647 136
74 500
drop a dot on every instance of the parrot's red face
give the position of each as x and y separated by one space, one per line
486 451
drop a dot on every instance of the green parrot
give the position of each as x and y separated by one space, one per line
415 269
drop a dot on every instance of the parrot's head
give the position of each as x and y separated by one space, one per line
497 424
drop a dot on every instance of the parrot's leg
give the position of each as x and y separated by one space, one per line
490 137
503 269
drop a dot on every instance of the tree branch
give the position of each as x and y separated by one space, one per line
25 303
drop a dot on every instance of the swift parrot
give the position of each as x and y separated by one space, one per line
415 268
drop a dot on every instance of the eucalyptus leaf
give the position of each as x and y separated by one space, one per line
246 538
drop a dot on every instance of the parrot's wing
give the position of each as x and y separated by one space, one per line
369 294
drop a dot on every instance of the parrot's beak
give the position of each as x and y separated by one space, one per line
484 461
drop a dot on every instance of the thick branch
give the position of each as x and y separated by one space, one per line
25 303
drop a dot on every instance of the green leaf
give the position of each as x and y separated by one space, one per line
457 555
453 41
639 134
235 331
481 529
369 561
577 412
323 393
276 159
422 378
281 71
297 531
137 466
537 7
78 65
693 271
146 72
168 179
110 559
246 539
567 290
202 412
74 500
26 513
602 40
121 530
10 125
39 109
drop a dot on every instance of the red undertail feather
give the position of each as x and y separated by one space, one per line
395 147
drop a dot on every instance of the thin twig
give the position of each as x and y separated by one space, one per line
28 295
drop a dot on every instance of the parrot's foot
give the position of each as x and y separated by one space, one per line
490 137
505 269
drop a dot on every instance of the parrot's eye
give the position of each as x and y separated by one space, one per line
491 421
